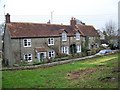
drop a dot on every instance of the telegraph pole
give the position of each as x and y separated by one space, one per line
52 16
4 12
4 9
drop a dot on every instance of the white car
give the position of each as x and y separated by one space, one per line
103 52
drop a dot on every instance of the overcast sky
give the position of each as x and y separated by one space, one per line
93 12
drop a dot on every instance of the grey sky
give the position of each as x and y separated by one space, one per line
94 12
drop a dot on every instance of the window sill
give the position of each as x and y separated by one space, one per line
27 46
50 44
64 40
29 61
77 39
78 51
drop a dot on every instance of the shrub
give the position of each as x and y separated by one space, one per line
16 65
22 63
36 62
61 55
84 54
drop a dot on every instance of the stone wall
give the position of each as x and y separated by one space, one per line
19 50
48 64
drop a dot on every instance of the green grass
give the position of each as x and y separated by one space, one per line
60 76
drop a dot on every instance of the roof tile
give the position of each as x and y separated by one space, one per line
37 30
87 30
18 30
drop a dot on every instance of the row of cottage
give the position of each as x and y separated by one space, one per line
31 41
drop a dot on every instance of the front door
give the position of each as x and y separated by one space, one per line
73 49
41 56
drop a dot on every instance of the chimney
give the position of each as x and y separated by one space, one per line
73 22
7 17
48 22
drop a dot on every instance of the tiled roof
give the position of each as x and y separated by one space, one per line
37 30
87 30
19 30
40 49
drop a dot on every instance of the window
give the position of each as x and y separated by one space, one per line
27 42
28 57
77 36
51 54
51 41
78 48
65 50
64 36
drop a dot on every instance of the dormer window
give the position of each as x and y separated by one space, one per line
64 36
77 36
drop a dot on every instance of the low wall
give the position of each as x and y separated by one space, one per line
46 65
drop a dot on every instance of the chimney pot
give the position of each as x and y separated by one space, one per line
73 22
7 16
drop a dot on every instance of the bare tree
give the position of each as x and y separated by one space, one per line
110 30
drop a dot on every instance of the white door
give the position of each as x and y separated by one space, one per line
38 56
41 56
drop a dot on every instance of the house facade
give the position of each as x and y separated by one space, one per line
37 41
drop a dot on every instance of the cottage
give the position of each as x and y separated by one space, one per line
38 41
102 37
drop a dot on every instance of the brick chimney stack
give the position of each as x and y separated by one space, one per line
73 22
7 17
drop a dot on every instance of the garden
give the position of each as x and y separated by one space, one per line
97 72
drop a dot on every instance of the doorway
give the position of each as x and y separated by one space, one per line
73 49
41 56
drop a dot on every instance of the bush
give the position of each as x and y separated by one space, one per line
112 47
61 55
93 51
16 65
36 62
84 54
60 59
49 60
24 63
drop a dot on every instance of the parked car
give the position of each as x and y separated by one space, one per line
103 52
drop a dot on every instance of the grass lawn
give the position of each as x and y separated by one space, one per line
99 72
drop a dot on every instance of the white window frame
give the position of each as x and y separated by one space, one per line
50 41
77 36
28 42
65 49
51 54
78 48
28 56
64 36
